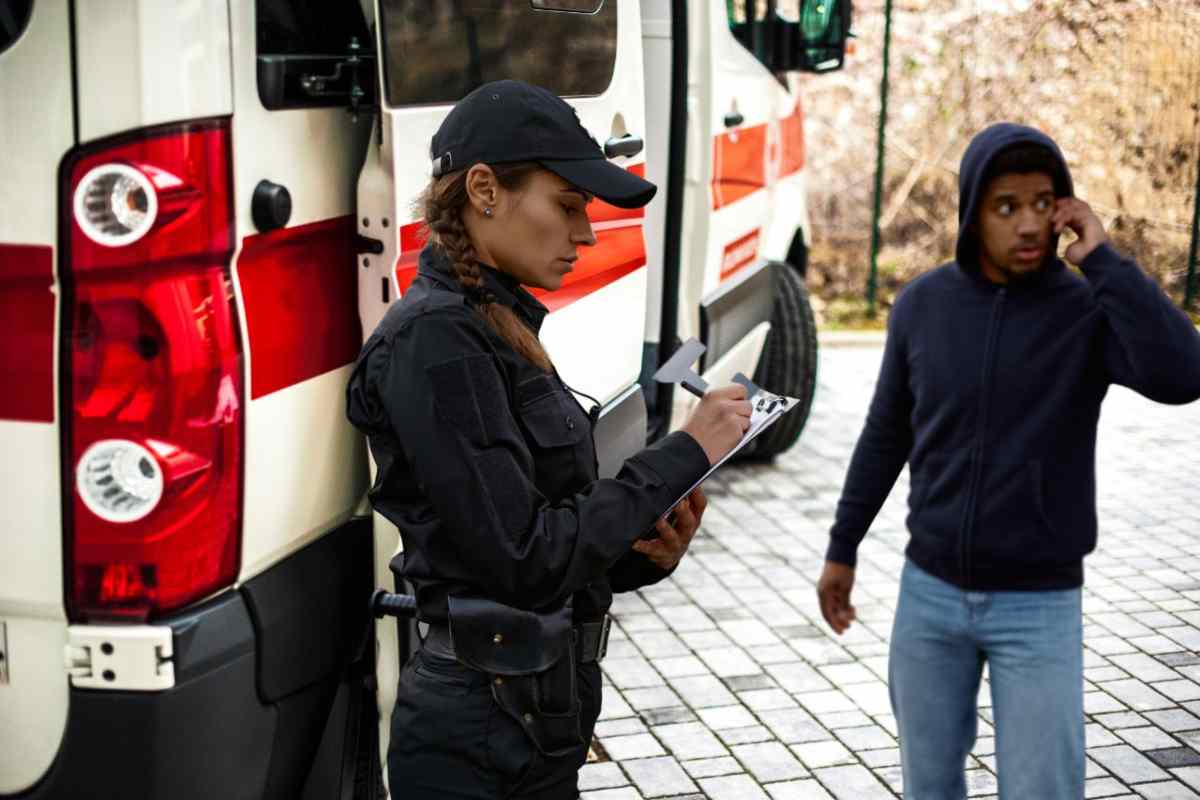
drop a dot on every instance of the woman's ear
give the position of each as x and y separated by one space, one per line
482 189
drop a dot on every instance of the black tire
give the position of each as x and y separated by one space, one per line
788 365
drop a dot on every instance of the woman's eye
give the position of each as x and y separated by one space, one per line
569 209
1005 209
1043 205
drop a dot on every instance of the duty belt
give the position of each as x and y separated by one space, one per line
591 640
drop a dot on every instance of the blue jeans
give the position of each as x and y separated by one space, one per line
1033 645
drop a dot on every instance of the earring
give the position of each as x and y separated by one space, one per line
487 212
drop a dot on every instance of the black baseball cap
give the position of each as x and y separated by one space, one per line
509 121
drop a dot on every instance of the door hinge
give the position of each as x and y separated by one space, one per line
125 657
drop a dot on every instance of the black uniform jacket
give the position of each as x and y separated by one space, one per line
486 464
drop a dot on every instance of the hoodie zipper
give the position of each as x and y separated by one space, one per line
977 453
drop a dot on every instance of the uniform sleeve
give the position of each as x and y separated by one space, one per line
446 401
882 449
633 571
1149 345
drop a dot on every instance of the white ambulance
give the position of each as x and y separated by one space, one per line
206 207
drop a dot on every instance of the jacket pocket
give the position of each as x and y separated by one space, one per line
936 500
552 422
1012 524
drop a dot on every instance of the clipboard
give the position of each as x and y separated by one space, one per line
767 408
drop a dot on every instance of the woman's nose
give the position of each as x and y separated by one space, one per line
584 234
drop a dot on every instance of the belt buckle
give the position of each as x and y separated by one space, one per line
602 645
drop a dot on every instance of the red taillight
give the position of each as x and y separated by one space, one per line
153 391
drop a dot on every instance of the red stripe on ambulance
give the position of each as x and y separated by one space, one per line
739 164
619 250
739 253
301 300
27 346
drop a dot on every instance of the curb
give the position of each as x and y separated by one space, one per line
851 338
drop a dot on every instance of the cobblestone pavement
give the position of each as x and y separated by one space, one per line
724 683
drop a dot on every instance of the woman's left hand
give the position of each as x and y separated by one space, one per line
673 539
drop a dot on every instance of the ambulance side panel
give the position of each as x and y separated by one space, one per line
35 131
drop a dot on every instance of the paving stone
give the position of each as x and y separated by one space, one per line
1172 757
815 755
1127 764
1123 719
729 661
628 793
797 676
769 761
709 767
793 725
1137 695
631 673
723 717
870 737
620 727
736 736
888 757
601 775
767 699
657 777
654 697
1174 719
1166 790
664 716
1147 738
703 691
680 666
746 683
1103 787
733 787
689 740
853 783
639 745
797 790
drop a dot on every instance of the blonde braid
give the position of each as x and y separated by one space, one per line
442 204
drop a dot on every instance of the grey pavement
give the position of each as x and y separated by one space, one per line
723 682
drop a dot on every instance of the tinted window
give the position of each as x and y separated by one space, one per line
14 16
438 52
309 27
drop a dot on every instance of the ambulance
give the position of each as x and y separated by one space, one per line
207 206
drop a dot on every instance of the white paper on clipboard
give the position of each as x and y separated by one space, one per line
766 409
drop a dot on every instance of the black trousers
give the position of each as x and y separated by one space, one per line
450 739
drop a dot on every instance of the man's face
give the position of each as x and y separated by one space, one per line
1015 226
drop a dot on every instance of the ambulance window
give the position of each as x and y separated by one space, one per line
438 52
309 27
14 18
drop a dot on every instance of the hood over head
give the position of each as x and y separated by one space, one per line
973 172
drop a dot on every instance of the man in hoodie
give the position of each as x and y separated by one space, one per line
993 374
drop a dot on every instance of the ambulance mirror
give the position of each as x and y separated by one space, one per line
816 42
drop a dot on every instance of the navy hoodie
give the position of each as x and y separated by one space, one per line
992 395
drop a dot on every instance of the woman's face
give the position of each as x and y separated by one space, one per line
534 231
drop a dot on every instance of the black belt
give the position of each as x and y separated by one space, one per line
591 640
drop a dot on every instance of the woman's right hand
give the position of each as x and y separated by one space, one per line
718 422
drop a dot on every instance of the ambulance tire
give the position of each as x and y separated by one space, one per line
788 364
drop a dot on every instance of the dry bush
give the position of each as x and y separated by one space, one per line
1115 82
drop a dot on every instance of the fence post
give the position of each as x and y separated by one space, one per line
1189 287
872 278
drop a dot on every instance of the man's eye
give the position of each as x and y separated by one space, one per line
570 210
1043 205
1005 209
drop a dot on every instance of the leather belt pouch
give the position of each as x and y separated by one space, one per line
531 660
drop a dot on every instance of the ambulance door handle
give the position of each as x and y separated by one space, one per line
733 119
627 145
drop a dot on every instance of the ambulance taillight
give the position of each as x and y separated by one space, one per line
152 372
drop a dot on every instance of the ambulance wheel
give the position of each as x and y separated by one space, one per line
788 365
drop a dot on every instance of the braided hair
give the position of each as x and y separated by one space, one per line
442 204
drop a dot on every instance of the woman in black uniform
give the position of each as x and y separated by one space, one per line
486 462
